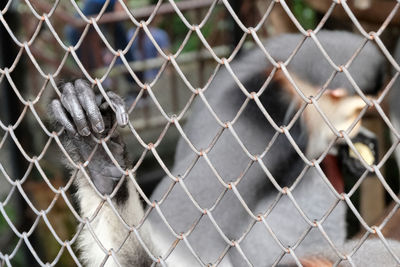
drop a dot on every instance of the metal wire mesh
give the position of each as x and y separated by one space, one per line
175 120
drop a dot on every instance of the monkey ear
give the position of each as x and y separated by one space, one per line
337 94
341 95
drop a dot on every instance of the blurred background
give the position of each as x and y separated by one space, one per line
28 155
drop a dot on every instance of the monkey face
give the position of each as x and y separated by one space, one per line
326 114
334 112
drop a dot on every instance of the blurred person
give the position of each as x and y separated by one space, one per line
142 49
116 29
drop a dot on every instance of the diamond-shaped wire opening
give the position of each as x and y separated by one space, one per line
148 102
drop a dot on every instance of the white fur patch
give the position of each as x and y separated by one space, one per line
108 229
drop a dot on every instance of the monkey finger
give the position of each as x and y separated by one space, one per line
72 105
119 107
88 101
61 117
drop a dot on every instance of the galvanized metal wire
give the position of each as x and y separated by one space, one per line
176 120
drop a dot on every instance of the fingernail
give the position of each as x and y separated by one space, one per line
100 127
85 131
122 119
125 119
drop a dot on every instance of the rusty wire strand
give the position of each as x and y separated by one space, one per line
176 120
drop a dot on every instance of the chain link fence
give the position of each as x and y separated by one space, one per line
40 220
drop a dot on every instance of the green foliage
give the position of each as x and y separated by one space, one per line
179 31
18 259
305 15
3 223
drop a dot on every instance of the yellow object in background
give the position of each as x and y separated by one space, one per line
365 152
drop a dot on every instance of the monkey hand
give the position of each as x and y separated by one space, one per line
87 119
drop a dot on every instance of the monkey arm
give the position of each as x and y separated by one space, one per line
89 123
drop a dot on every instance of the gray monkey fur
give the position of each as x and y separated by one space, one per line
230 160
255 132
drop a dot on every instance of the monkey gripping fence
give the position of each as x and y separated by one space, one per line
16 184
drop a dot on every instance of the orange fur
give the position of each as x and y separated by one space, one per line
316 262
340 108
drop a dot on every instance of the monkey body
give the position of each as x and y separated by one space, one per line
220 217
255 132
